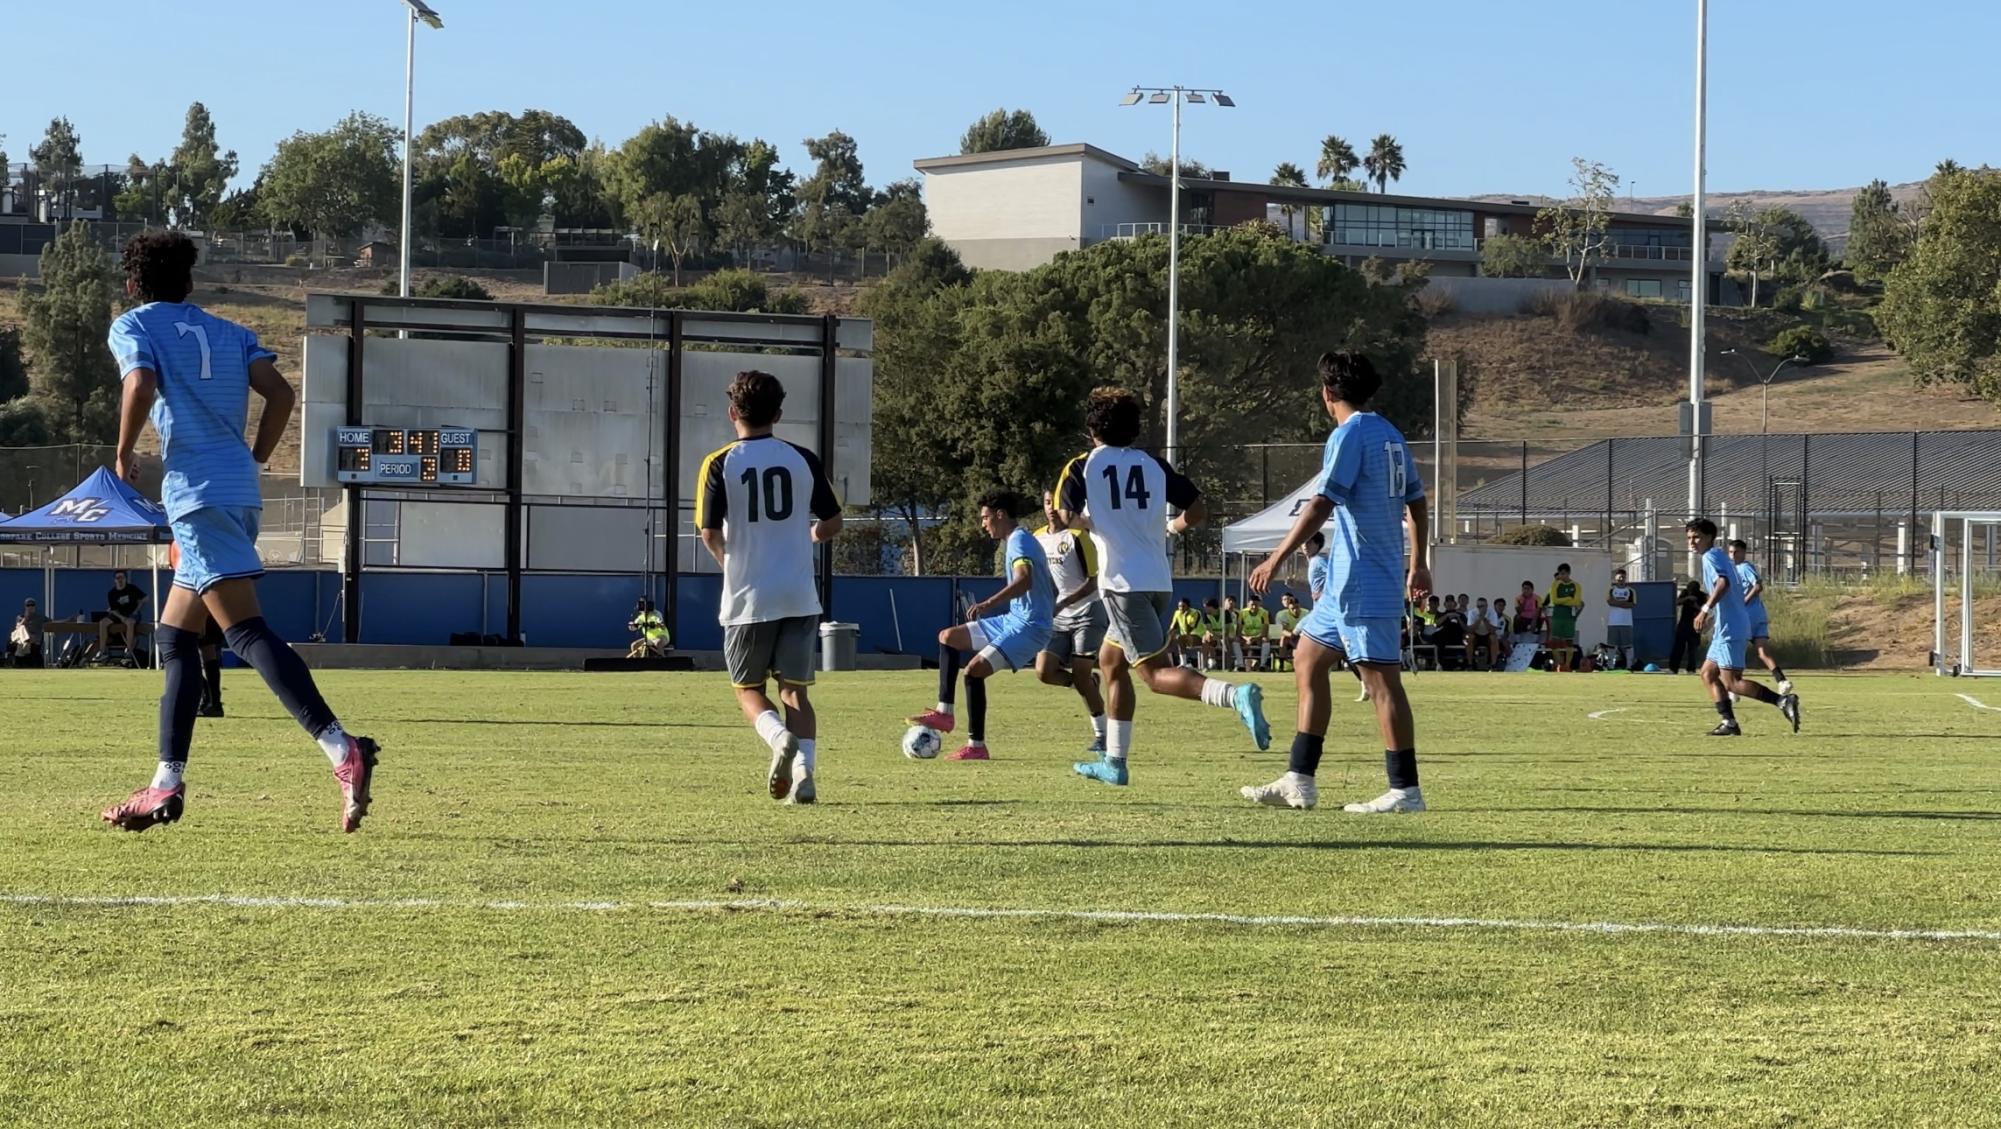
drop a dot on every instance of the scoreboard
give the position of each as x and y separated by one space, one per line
395 456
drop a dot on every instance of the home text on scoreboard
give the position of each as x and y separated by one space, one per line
396 456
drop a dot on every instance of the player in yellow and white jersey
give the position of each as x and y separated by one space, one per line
1121 495
1070 658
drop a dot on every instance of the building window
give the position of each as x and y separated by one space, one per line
1681 288
1643 287
1383 225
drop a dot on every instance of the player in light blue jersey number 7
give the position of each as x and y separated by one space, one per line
1368 481
192 374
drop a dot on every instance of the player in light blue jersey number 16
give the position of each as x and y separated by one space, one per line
1368 482
1725 610
1754 602
192 374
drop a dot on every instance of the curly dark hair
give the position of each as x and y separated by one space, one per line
756 396
1112 417
1702 525
161 265
1004 501
1350 377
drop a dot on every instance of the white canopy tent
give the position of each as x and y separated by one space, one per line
1262 531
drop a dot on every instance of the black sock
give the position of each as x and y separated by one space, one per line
976 710
1725 710
211 680
180 661
1401 764
948 673
1779 673
283 671
1758 691
1306 749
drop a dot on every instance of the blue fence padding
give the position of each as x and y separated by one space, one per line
1653 621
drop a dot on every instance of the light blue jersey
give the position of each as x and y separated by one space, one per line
1747 576
1316 577
202 363
1367 472
1732 619
1037 606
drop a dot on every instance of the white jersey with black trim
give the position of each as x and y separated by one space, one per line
764 494
1125 492
1073 559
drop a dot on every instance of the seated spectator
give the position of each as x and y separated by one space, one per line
24 643
1449 634
1215 635
1528 611
1483 639
1254 628
1290 614
1427 618
1233 633
654 640
1185 631
120 619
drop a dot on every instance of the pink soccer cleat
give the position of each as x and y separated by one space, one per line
354 775
932 719
969 753
148 807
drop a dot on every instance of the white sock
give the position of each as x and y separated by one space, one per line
944 708
806 754
168 774
333 742
1297 777
1098 727
771 729
1118 739
1216 692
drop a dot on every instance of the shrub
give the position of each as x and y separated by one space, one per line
651 289
297 260
1582 310
24 423
1801 341
739 291
1434 303
441 286
1540 536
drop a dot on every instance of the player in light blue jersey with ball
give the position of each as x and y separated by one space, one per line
1367 483
1011 638
1725 610
1754 602
192 374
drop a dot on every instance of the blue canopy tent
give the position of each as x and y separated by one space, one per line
102 510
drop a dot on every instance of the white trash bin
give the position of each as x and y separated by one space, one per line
837 645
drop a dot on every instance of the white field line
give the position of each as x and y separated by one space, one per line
1976 703
982 913
1600 715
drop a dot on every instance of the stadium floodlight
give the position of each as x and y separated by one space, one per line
1224 100
1954 543
424 12
1698 291
1161 95
1765 382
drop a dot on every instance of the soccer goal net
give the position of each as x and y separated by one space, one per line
1965 561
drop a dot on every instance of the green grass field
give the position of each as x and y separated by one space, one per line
831 1008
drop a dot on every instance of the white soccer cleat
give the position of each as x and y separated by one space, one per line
803 791
1288 791
1396 800
1785 686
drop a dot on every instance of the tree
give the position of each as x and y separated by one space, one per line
58 159
1513 256
832 200
1157 165
1289 175
23 423
684 230
143 197
898 220
68 322
1879 234
1002 129
241 209
1384 162
1579 231
334 184
1947 167
1775 243
1942 305
1337 159
201 170
13 369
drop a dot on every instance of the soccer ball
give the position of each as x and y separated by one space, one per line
921 742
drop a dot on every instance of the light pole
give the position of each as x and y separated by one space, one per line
1765 382
418 11
1698 291
1175 96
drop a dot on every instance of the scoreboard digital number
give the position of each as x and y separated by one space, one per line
395 456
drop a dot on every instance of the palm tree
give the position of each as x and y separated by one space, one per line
1384 162
1337 159
1946 167
1288 175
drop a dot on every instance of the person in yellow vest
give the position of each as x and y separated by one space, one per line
654 638
1186 632
1254 628
1289 616
1217 628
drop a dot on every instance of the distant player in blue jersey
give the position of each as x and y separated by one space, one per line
193 373
1754 602
1012 638
1724 609
1367 482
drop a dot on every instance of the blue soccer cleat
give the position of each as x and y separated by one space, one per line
1250 702
1104 769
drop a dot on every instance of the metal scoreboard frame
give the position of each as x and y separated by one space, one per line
833 349
413 457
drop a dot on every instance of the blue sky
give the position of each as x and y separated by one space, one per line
1485 96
